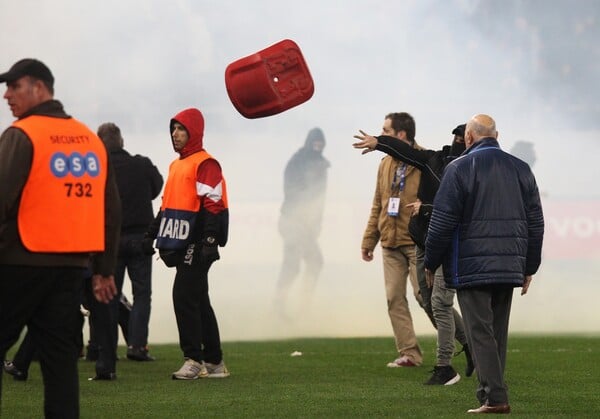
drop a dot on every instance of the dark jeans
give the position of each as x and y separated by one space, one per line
139 270
103 319
46 300
199 337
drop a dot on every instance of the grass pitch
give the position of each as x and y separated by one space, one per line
548 377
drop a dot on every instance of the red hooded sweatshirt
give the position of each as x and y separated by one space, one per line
209 186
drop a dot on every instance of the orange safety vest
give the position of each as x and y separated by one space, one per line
181 203
62 204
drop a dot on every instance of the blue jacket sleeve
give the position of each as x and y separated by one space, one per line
445 219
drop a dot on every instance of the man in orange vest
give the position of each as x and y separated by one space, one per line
193 221
59 214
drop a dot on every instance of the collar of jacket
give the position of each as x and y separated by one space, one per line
51 108
487 142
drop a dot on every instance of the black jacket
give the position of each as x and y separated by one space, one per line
139 182
432 164
487 224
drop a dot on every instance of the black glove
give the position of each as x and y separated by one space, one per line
147 246
210 251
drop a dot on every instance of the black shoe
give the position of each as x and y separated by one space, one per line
443 376
17 374
139 354
470 365
111 376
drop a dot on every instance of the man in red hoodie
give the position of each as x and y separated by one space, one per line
193 221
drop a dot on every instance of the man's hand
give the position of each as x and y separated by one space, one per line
415 206
367 255
104 288
367 142
526 283
429 278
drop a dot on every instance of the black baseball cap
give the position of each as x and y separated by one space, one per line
459 130
28 67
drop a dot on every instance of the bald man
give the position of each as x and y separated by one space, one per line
486 230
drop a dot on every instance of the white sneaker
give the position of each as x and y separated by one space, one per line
403 361
190 370
217 370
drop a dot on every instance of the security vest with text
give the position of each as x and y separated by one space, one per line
62 204
181 203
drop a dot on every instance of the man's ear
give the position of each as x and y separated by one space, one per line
40 90
401 135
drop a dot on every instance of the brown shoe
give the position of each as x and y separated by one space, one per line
486 408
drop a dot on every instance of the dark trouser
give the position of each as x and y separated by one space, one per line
25 354
196 321
103 326
123 319
424 290
299 245
46 300
139 270
486 313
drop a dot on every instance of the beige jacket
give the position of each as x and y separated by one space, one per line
391 231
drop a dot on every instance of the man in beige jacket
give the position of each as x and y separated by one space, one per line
397 185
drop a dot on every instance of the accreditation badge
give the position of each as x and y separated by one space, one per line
393 206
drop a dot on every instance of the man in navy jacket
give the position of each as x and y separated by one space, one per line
486 229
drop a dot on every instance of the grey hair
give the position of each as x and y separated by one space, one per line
110 134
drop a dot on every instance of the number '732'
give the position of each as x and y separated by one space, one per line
79 190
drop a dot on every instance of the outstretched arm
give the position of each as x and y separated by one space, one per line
394 147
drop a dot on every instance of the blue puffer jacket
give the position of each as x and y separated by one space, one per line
487 223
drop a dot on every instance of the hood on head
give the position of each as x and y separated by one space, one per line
315 134
460 130
458 148
193 121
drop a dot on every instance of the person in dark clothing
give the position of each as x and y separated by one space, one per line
486 229
192 222
139 183
19 366
437 299
304 186
59 214
91 351
26 353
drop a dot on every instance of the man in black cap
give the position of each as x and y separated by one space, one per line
437 299
60 214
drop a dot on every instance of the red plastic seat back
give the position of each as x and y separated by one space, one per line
270 81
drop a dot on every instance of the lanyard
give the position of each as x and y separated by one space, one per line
400 172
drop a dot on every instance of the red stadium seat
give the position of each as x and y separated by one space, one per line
270 81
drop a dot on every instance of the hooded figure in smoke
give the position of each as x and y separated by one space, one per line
305 182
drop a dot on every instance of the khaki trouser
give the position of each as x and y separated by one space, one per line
398 265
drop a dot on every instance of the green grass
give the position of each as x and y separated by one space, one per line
548 376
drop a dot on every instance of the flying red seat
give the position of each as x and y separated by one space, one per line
270 81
